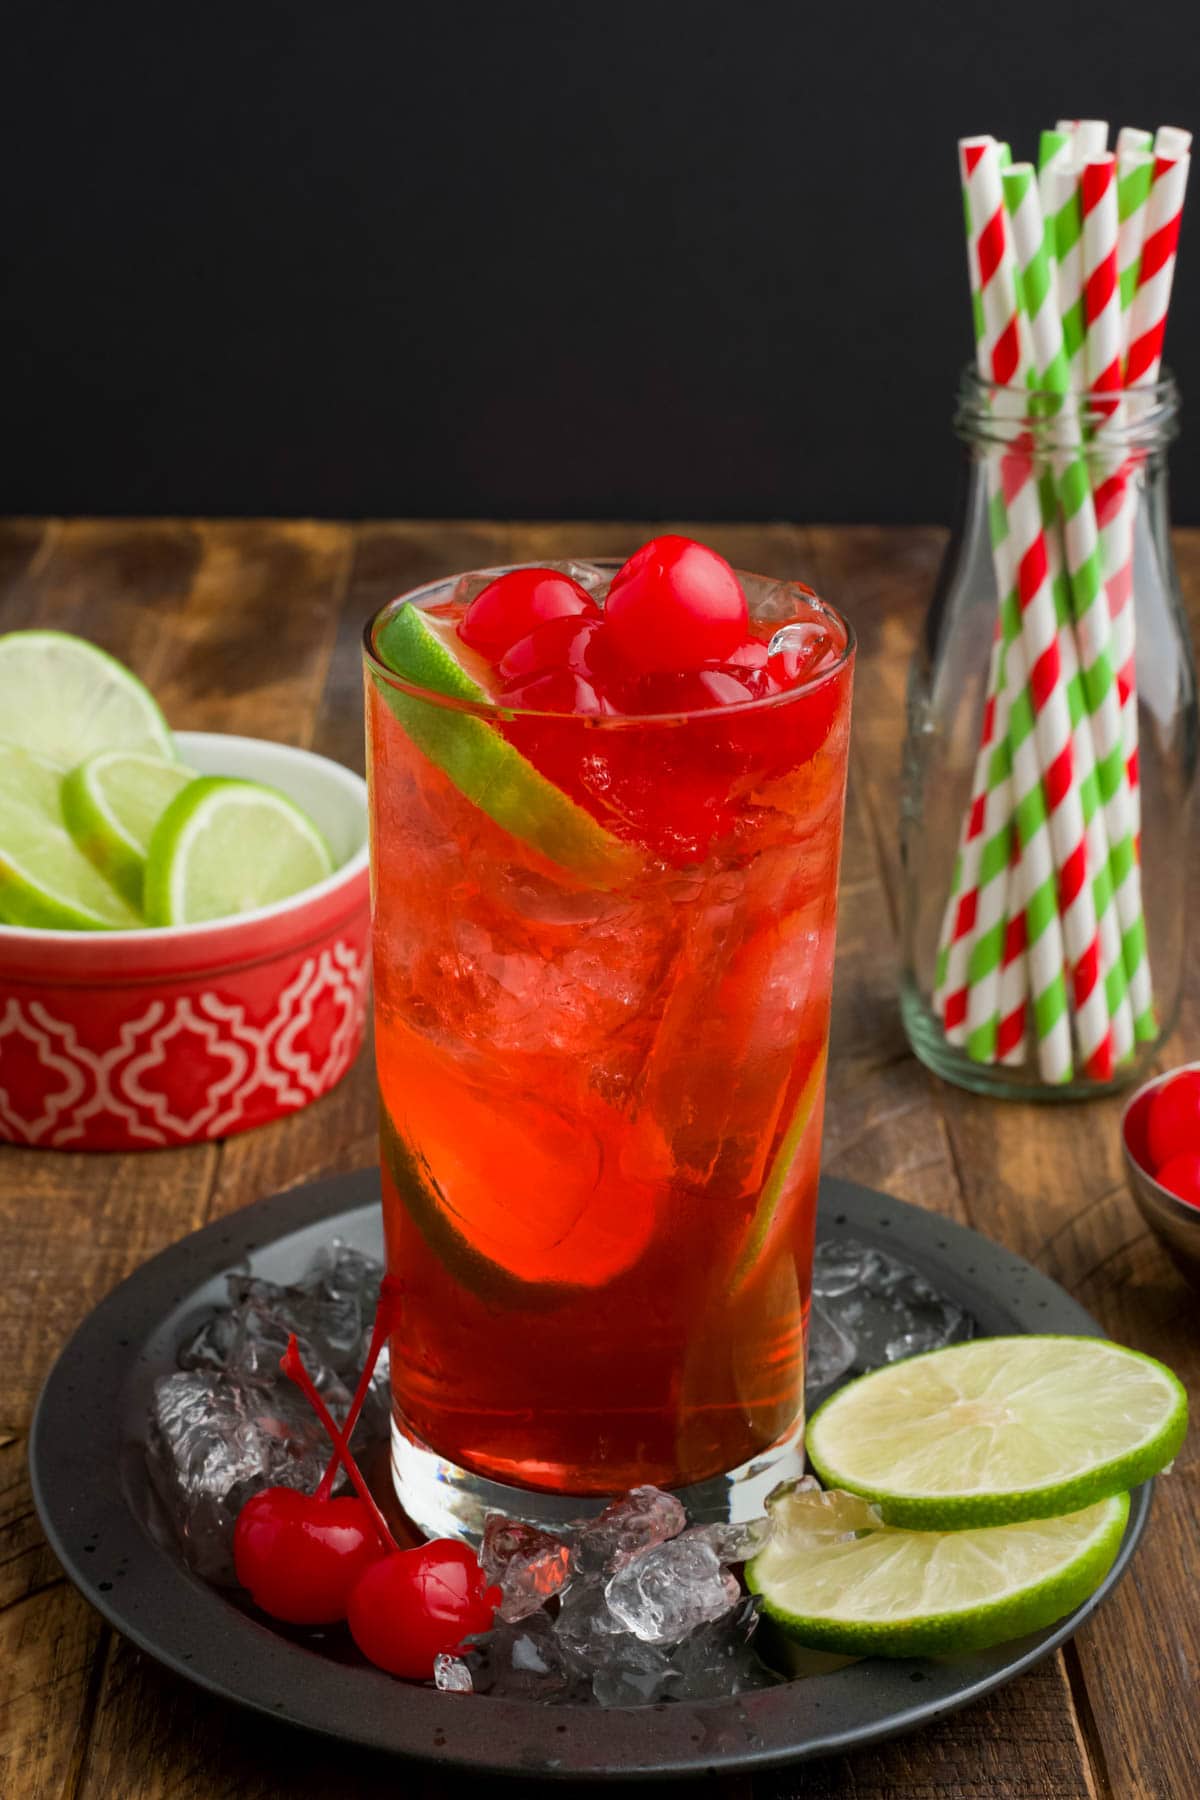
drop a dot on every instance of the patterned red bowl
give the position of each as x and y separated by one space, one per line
129 1040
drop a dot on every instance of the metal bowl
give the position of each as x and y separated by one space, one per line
1174 1220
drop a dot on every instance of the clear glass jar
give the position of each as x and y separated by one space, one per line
1050 755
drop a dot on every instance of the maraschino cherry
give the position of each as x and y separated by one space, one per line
1173 1127
411 1606
300 1554
674 606
509 608
1181 1175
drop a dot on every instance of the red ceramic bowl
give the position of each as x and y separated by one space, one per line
129 1040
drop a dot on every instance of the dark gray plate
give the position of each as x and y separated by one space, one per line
95 1502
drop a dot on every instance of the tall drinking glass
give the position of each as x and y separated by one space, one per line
601 1028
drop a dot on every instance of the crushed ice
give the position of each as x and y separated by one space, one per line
630 1608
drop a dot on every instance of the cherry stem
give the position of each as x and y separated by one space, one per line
385 1319
293 1367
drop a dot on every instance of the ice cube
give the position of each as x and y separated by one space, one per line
637 1675
527 1565
801 646
584 1624
717 1658
882 1303
829 1353
214 1442
523 1661
632 1522
452 1675
735 1542
331 1310
666 1591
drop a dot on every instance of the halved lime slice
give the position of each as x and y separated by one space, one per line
834 1577
45 880
111 804
480 762
225 846
1000 1429
63 698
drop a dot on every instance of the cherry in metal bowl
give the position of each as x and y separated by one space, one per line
131 1040
1176 1221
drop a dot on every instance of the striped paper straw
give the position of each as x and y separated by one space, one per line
1133 138
1060 205
1055 154
999 356
1114 498
1148 314
1089 607
1089 137
1135 172
1011 1042
991 796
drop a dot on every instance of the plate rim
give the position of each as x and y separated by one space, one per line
744 1732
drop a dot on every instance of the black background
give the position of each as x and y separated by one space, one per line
525 260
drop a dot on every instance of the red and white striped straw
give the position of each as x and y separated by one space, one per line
1157 270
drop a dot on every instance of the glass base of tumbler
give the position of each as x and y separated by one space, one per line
443 1500
1001 1081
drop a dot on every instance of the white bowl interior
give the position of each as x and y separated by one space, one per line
334 797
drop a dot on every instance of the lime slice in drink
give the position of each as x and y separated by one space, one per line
833 1577
45 880
480 762
111 804
1000 1429
225 846
64 699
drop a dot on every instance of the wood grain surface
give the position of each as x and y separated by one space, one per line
255 627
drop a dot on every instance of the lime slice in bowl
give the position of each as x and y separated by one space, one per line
111 804
45 879
833 1577
226 846
481 763
999 1429
64 699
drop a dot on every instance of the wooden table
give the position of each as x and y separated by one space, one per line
254 627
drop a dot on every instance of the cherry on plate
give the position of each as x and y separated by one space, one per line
1173 1127
301 1556
1181 1175
509 608
674 606
413 1605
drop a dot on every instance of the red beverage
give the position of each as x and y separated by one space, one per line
601 1028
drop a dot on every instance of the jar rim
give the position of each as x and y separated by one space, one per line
1143 418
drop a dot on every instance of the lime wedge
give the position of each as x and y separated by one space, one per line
1000 1429
63 698
481 763
225 846
45 880
833 1577
111 804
